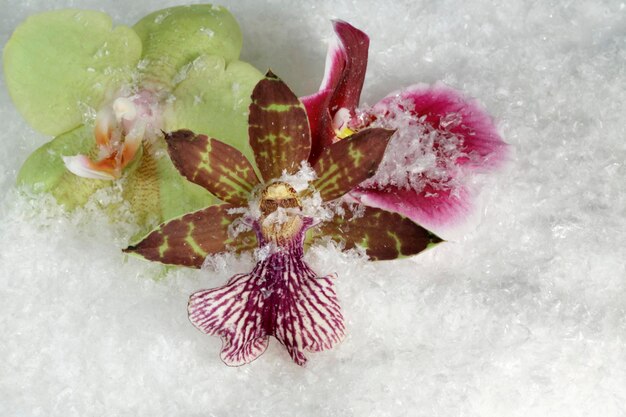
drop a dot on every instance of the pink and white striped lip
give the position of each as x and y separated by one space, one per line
281 297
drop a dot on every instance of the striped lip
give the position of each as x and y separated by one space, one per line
282 297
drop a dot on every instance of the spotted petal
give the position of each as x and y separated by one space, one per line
233 312
187 240
212 164
347 163
383 235
214 99
279 129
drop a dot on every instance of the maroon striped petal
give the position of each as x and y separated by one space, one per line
347 163
281 297
214 165
187 240
278 128
234 313
346 63
383 235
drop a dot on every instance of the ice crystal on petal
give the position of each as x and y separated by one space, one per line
419 155
301 179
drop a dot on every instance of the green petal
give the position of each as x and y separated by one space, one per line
187 240
213 100
347 163
174 37
214 165
279 128
384 235
58 62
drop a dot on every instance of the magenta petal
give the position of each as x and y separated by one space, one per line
354 45
447 109
440 137
341 86
435 210
320 122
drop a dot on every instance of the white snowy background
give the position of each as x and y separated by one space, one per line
522 315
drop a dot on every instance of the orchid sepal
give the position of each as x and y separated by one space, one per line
174 37
345 164
188 239
219 168
278 128
383 235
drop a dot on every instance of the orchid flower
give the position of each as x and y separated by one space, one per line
440 136
282 296
175 68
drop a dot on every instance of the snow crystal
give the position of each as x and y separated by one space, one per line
301 179
161 17
208 32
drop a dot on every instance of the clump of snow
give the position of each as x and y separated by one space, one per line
301 179
263 252
224 263
419 155
281 216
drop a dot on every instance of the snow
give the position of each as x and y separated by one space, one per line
522 316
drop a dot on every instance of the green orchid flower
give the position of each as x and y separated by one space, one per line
107 93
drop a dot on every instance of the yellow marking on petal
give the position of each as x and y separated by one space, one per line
165 246
356 155
344 133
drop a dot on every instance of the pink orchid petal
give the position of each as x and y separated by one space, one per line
445 107
341 86
435 210
440 137
322 133
354 45
334 66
